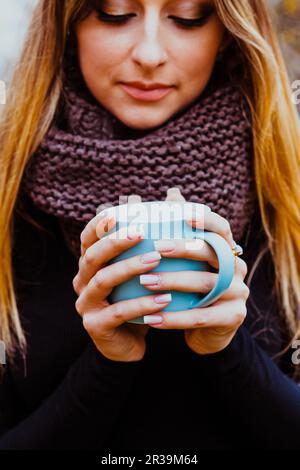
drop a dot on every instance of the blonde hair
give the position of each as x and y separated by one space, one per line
276 137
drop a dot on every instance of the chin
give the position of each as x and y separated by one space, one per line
142 122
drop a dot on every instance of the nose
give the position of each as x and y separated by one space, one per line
149 51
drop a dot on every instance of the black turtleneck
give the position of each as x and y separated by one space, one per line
67 395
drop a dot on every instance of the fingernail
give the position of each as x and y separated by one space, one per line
164 245
149 279
104 222
106 225
151 319
161 299
151 257
197 220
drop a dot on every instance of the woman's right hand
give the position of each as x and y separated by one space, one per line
104 322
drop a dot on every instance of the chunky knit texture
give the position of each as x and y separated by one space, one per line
89 158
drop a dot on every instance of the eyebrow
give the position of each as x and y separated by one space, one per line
169 2
201 6
192 2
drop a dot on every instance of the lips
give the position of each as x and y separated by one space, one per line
148 94
147 85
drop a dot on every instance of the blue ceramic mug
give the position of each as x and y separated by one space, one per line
166 220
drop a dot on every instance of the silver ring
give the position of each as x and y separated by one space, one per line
237 250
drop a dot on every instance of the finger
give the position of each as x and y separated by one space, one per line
104 226
241 267
89 235
101 252
102 283
185 281
211 221
222 313
187 248
237 290
193 281
111 317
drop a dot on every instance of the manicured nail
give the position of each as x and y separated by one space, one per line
199 220
106 225
161 299
146 279
151 319
151 257
105 222
164 245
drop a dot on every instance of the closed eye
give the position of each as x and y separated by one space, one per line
191 22
113 18
122 19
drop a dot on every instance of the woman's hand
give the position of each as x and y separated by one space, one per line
104 322
207 329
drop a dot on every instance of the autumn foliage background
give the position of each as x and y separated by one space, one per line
287 19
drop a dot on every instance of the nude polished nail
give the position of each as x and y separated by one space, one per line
164 245
163 298
150 257
152 319
149 279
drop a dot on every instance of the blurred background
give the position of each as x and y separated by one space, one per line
15 15
14 19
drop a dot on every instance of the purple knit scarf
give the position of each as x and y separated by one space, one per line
88 158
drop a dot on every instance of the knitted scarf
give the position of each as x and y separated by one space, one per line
90 158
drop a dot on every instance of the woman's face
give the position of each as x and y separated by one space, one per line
170 42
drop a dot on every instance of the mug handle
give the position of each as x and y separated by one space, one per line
226 266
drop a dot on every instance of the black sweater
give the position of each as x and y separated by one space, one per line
67 395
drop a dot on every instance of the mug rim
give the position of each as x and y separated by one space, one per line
139 211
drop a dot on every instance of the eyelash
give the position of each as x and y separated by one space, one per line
122 19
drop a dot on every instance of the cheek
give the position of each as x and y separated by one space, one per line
200 60
99 51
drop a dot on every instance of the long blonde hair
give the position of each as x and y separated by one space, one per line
32 102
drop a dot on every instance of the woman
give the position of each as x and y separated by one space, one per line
224 130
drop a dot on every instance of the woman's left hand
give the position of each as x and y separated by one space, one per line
207 329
